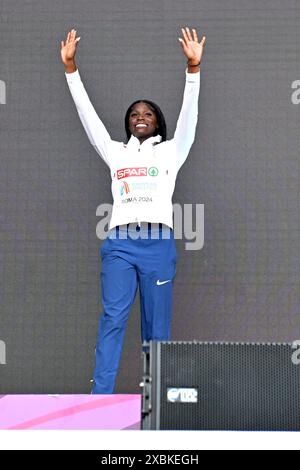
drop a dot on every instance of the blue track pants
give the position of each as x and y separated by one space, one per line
133 256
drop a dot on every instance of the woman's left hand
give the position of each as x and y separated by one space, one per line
192 49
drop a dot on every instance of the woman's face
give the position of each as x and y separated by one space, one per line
142 121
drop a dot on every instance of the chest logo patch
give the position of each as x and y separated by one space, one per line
133 171
153 171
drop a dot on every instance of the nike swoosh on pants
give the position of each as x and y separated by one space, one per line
159 283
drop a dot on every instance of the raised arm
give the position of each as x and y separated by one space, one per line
186 124
94 127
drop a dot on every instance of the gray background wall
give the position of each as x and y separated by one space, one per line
244 167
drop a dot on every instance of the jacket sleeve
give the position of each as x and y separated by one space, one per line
187 121
94 127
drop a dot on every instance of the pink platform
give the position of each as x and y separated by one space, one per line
70 411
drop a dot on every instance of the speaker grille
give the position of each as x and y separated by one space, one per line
241 386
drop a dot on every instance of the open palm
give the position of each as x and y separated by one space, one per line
192 49
68 48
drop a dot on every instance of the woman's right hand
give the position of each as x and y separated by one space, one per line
68 48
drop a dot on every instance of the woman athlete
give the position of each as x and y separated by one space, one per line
140 249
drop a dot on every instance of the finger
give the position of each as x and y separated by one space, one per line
77 39
181 42
68 37
62 44
189 34
203 41
184 34
195 35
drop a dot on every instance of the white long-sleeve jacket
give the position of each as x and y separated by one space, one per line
143 175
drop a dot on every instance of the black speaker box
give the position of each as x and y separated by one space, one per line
220 386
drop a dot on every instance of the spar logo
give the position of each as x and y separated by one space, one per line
153 171
124 188
137 171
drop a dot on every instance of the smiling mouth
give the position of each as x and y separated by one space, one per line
141 126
